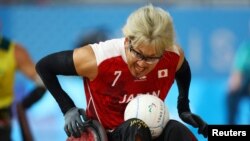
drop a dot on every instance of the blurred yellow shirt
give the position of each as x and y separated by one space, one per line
7 72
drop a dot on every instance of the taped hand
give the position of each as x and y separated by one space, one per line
196 122
74 122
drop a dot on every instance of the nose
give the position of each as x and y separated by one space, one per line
141 63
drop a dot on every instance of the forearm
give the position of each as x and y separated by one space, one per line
183 79
49 67
35 95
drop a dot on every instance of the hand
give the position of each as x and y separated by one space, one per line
74 121
196 122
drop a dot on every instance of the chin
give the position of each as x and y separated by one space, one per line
139 75
133 72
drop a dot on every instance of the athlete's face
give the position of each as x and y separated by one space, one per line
141 60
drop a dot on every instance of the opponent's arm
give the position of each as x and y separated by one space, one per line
27 67
183 79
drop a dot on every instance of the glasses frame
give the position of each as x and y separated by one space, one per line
140 56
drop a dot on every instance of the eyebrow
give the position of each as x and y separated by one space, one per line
137 49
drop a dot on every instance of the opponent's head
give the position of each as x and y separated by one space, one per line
148 32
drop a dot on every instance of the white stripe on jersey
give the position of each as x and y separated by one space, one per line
91 100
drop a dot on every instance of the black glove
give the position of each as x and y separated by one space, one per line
196 122
74 121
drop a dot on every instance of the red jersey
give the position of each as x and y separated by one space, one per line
108 94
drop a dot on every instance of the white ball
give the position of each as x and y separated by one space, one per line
151 110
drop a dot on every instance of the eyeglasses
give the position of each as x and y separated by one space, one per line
139 56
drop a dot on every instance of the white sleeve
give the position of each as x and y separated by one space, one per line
107 49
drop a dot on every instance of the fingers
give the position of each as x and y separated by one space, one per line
203 130
202 126
73 129
79 120
188 118
74 122
66 129
83 114
193 123
76 130
198 120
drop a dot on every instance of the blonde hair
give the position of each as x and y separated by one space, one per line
152 26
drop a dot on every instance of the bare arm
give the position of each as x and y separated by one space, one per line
24 62
27 67
85 62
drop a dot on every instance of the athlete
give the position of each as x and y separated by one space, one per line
13 57
145 61
239 81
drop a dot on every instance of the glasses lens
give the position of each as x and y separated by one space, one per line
136 54
139 56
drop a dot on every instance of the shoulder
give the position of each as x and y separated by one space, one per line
108 49
178 50
109 44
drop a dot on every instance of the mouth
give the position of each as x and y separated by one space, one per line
139 70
